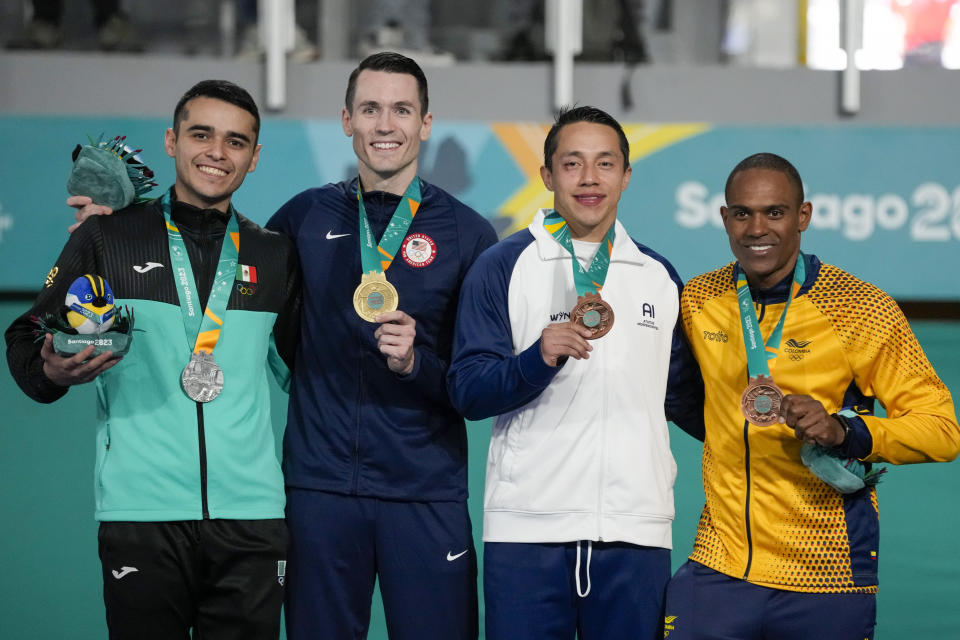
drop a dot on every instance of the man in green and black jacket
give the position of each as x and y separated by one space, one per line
189 492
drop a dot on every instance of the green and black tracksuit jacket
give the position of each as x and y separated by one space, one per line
160 455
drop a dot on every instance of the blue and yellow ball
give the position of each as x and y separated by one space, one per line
90 305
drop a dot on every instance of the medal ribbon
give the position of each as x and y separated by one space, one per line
203 331
759 353
378 257
590 280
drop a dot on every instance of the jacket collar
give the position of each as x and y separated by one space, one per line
382 203
778 293
624 249
194 218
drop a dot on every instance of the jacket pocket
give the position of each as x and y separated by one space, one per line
103 452
512 445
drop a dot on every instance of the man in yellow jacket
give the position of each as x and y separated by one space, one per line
794 353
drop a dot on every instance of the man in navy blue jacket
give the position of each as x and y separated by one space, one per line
375 456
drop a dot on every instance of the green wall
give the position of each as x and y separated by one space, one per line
50 577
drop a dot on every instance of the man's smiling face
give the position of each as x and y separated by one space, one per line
387 128
764 218
214 148
587 175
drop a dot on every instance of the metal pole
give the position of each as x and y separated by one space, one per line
276 30
852 36
228 28
563 20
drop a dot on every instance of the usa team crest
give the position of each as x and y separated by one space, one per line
418 250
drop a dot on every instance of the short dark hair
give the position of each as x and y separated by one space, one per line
571 115
391 63
219 90
770 162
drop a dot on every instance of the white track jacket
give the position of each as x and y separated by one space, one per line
580 451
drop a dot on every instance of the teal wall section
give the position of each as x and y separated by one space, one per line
50 577
886 199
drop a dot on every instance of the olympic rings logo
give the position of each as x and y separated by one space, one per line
246 288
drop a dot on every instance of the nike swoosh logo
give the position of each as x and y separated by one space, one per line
125 570
333 236
147 267
451 557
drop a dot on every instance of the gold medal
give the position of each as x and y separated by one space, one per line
593 313
374 296
761 400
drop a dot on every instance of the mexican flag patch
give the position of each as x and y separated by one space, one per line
246 273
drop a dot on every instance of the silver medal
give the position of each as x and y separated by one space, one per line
202 378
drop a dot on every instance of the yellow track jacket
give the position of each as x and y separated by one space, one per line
767 518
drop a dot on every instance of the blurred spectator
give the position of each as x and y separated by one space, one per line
611 30
925 24
304 50
114 31
396 25
521 25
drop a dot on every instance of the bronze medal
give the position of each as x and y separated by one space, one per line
761 400
593 313
374 296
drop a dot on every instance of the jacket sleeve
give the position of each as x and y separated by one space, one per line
921 423
683 403
286 328
77 258
429 374
486 377
288 217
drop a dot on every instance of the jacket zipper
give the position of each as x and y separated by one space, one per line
355 481
203 462
201 432
746 458
603 464
746 446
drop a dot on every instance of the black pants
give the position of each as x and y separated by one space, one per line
221 578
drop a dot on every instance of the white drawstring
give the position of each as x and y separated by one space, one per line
589 554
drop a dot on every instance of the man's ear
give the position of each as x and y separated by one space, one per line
625 180
547 176
427 127
170 142
806 213
255 159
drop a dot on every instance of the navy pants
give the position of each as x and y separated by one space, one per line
704 604
588 590
421 552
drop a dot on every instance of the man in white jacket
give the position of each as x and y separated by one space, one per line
568 332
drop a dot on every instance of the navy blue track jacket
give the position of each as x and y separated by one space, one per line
354 427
